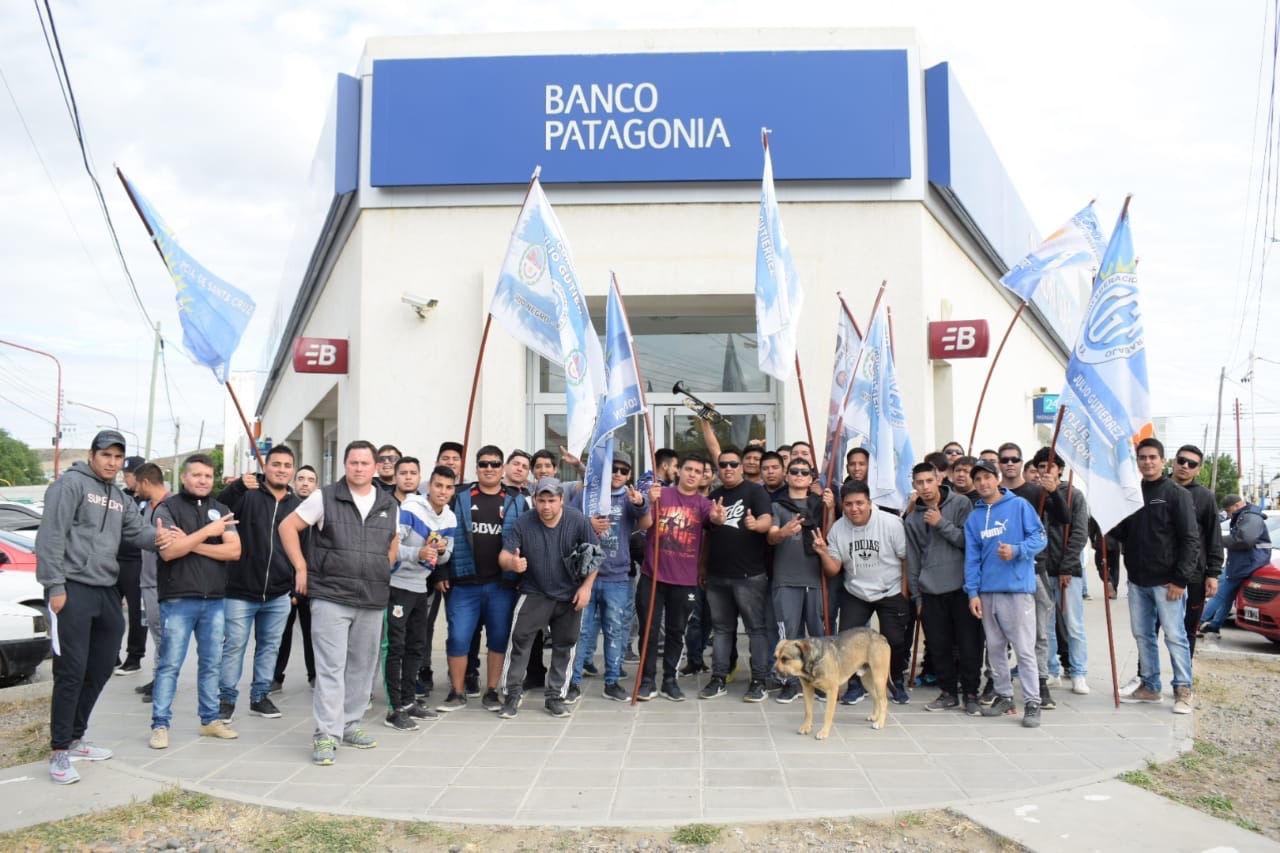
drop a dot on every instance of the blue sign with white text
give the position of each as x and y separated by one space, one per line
835 115
1044 409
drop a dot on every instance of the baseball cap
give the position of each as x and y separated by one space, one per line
133 463
984 465
106 438
1231 500
548 484
621 456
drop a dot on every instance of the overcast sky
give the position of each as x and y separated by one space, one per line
215 111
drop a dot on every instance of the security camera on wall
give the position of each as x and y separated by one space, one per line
421 305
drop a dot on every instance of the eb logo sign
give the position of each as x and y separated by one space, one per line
320 355
958 339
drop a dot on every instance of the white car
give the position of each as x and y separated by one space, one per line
21 588
24 641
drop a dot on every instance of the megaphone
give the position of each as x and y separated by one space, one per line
701 408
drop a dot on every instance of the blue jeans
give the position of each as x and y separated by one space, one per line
1073 617
179 619
1149 606
1216 610
468 605
610 609
267 619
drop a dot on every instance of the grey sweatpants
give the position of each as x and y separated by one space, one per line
1009 618
151 607
1045 622
346 642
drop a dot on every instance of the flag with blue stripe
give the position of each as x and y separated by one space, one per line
848 344
1106 403
875 418
623 400
539 301
213 314
1077 243
779 297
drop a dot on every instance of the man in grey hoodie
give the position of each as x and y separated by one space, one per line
935 570
86 517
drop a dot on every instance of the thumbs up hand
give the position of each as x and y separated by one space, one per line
521 563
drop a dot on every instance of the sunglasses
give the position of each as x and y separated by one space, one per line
800 472
489 463
1189 463
729 464
1010 460
621 469
954 452
388 458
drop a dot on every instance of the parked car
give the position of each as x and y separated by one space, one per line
1258 602
24 641
16 516
17 552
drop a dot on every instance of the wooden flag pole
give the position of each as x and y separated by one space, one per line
831 466
804 406
973 433
1111 637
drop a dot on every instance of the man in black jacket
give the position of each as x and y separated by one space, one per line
1160 544
1209 562
259 584
191 580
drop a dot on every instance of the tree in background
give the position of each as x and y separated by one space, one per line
18 463
1228 476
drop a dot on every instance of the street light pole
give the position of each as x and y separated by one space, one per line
96 409
57 417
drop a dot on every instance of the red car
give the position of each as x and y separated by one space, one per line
1258 602
17 552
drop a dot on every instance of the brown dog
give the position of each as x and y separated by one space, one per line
827 663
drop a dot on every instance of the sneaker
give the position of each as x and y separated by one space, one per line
1031 716
1079 686
787 695
83 750
572 695
159 738
713 689
630 656
1046 698
819 695
264 707
491 701
455 702
356 736
898 694
144 688
972 707
945 702
671 690
1143 695
1183 700
556 707
855 694
1131 685
471 687
323 751
277 685
60 769
400 721
772 684
511 707
421 711
988 694
146 695
218 729
589 670
693 667
129 667
1002 707
226 712
755 692
646 692
1054 681
616 692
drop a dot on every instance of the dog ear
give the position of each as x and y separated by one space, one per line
812 656
802 650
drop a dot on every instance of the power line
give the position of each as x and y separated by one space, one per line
23 408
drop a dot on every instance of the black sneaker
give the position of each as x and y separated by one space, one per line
988 694
146 696
129 667
898 694
755 692
226 712
646 692
589 670
671 690
471 688
693 667
419 710
772 684
1031 716
616 692
490 701
555 707
511 707
788 694
277 685
945 702
400 721
972 706
264 707
630 655
572 695
144 688
454 702
713 688
1002 707
1046 699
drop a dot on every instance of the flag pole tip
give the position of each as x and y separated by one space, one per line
537 170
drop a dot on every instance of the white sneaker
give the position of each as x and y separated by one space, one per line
1132 685
1053 681
1079 686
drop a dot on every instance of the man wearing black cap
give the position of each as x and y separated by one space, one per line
556 553
130 584
86 517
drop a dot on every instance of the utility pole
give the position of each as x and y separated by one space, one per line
1239 452
1217 435
1253 426
151 402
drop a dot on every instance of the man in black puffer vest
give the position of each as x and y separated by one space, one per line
347 577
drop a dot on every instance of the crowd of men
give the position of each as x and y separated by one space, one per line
987 557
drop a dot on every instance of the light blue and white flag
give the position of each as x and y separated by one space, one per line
213 314
623 400
848 344
539 301
875 418
1107 398
1078 243
779 297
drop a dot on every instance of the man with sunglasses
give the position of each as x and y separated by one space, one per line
1186 464
736 576
797 569
387 457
